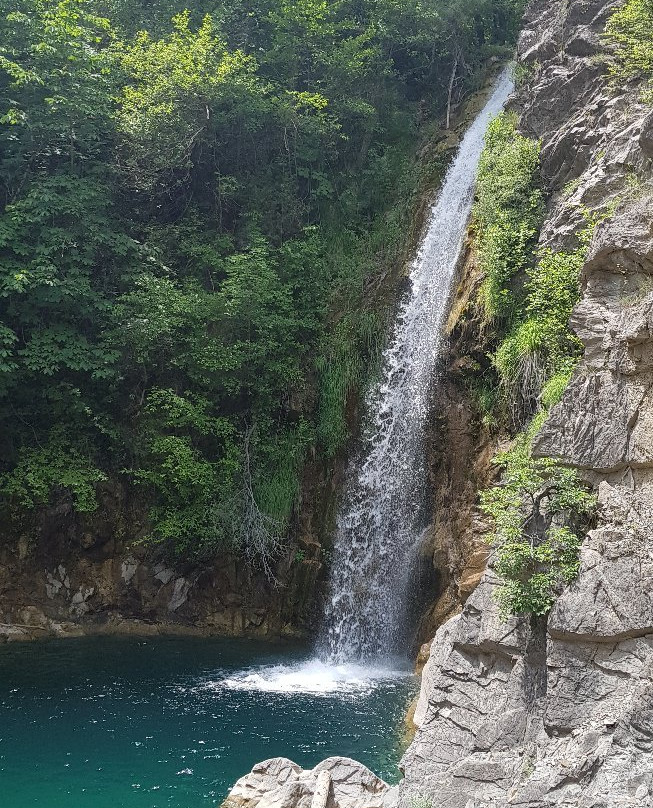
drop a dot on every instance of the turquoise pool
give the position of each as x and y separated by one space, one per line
145 723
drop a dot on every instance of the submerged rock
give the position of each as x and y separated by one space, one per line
280 783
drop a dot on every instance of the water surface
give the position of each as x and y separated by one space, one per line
142 723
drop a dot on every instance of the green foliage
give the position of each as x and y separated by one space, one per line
195 206
540 509
523 72
343 367
630 29
195 497
529 294
540 344
538 512
56 469
177 87
554 388
279 459
507 212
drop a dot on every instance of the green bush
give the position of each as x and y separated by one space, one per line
529 294
57 469
538 513
507 213
540 344
630 29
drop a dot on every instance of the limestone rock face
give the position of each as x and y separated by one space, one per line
561 713
280 783
558 715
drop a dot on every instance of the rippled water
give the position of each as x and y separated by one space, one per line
134 723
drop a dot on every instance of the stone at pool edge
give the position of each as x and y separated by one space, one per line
280 783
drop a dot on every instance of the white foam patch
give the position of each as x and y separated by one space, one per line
313 677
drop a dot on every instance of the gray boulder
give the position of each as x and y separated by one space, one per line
280 783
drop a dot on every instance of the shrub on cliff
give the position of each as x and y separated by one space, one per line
539 509
630 29
507 214
539 512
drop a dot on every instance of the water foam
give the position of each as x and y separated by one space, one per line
313 677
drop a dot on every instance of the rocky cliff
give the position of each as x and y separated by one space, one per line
63 574
531 714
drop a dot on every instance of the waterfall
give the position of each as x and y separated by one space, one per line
382 513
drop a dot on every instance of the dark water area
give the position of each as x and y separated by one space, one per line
143 723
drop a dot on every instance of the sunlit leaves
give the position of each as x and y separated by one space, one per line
537 513
507 211
631 30
182 91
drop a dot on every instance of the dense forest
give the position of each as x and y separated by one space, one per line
195 205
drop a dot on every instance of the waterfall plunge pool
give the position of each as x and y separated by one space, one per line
147 723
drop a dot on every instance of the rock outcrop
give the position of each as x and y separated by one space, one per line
280 783
453 553
560 713
65 573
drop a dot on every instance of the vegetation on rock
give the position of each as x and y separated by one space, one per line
538 512
507 214
630 28
527 294
539 508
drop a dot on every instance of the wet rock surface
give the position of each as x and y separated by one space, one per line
76 574
65 574
453 553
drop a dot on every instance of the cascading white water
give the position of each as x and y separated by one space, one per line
380 520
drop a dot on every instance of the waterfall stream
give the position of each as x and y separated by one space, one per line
382 513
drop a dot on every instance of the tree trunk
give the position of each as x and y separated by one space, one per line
452 80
